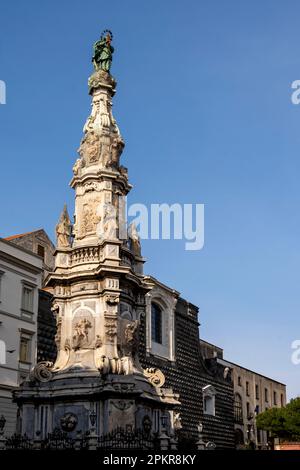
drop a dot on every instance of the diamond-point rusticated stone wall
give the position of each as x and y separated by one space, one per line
188 374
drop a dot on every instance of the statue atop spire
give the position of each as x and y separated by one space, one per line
103 51
102 144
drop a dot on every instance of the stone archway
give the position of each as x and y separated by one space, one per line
239 438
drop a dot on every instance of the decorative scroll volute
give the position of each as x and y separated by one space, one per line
155 376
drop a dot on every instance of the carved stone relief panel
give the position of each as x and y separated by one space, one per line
89 149
82 329
90 218
121 411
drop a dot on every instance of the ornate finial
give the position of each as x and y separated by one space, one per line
103 51
64 229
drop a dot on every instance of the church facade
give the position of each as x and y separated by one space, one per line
205 387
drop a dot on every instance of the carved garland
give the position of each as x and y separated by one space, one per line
111 329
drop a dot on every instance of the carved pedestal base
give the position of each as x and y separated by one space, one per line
84 401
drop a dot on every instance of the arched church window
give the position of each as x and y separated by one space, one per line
238 408
156 323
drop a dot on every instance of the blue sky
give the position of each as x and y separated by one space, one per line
204 105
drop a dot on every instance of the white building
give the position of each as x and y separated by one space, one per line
20 281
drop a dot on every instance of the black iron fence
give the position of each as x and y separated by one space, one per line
121 439
58 440
116 439
18 442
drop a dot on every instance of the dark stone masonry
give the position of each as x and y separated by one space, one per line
189 374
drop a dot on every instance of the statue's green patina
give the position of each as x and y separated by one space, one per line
103 52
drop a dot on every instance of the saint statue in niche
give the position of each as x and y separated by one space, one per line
64 229
134 240
81 333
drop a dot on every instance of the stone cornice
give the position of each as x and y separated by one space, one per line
154 282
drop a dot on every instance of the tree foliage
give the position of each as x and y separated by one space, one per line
282 422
